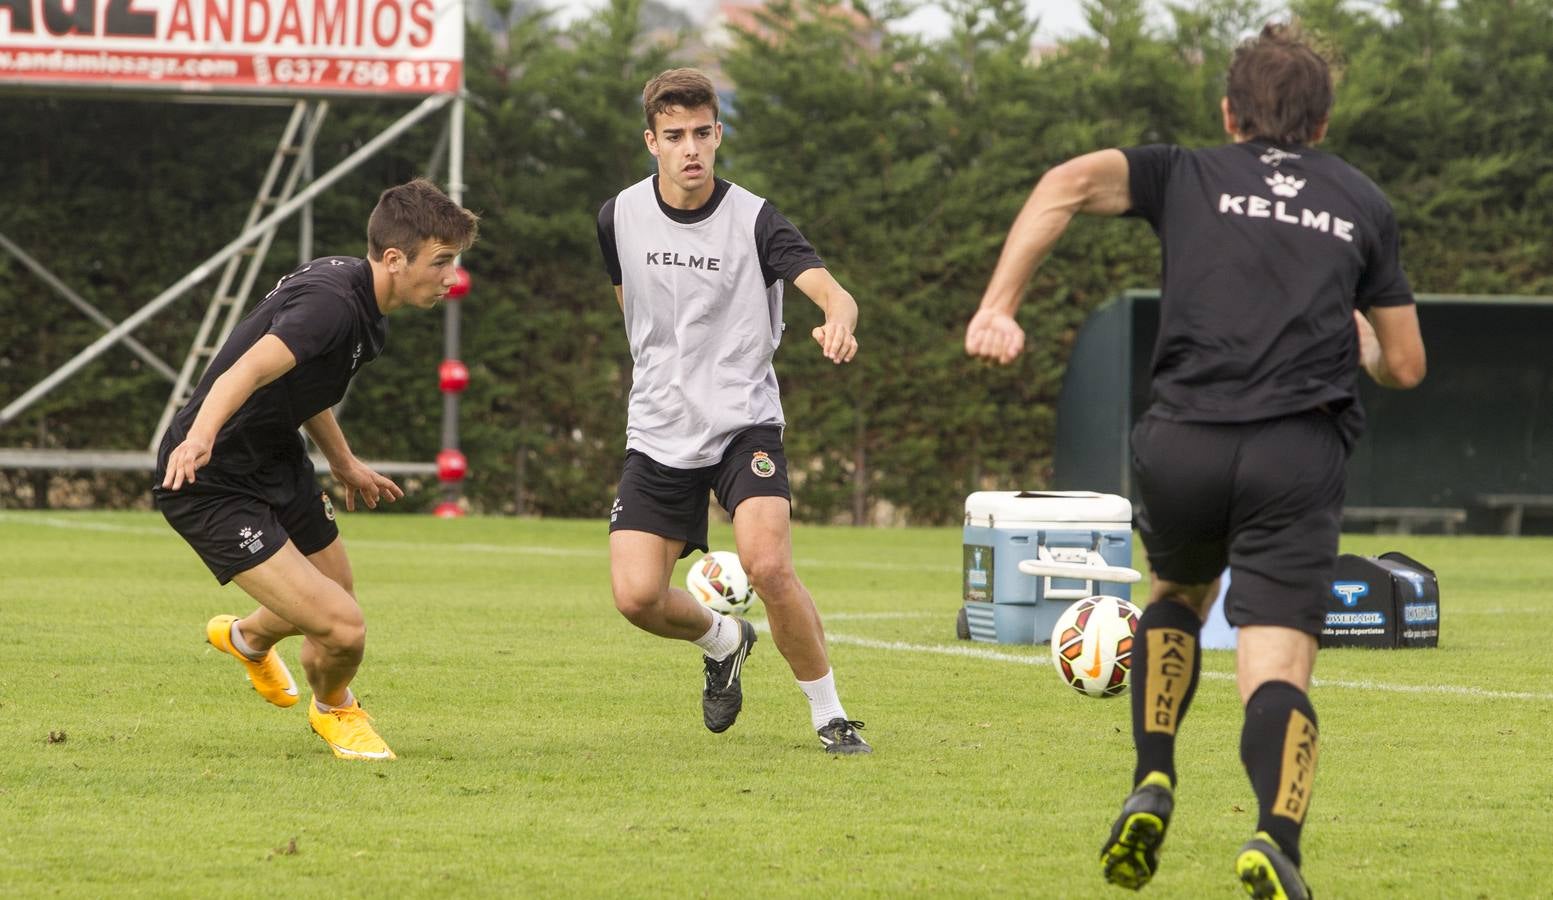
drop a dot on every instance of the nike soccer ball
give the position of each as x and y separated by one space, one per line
717 580
1092 645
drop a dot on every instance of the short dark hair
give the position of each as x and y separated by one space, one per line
687 88
1279 87
408 214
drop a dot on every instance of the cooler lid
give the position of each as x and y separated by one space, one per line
1013 508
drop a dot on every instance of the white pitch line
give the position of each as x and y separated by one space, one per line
871 566
365 543
603 551
975 652
1450 689
939 649
54 522
852 616
513 549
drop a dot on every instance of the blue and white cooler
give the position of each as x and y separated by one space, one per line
1004 528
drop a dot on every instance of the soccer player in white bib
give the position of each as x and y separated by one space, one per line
699 265
1282 279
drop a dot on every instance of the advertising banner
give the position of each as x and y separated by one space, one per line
411 47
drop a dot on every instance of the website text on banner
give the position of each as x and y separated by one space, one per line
237 46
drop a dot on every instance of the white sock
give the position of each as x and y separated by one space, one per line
721 639
824 705
350 699
242 645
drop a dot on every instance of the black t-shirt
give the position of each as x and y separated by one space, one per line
784 252
327 315
1267 251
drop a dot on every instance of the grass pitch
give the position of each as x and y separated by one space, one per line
549 749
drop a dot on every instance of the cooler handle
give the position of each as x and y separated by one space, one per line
1093 569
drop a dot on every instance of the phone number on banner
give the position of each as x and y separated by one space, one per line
228 71
370 74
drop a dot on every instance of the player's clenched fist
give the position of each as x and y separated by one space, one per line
994 335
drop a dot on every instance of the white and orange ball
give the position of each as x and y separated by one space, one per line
1092 645
718 581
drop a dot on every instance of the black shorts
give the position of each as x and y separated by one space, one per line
672 502
1266 498
234 522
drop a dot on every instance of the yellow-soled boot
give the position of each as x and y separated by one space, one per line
348 731
269 676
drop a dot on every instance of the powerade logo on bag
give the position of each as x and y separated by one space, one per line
1356 619
1421 622
1350 591
1358 622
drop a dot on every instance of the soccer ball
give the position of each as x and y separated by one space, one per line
1092 645
717 580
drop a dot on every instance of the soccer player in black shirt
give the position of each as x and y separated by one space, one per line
234 479
1281 280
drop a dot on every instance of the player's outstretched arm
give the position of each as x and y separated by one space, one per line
354 475
836 337
1094 183
265 361
1391 347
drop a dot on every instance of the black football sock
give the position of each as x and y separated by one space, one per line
1165 666
1278 747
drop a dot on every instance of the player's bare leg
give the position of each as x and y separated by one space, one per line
335 635
263 629
296 591
762 531
640 565
253 636
1268 653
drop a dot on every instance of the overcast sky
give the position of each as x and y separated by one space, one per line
1059 18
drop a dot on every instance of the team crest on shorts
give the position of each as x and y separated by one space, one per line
328 507
762 465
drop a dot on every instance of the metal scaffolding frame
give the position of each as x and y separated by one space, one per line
291 166
226 305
